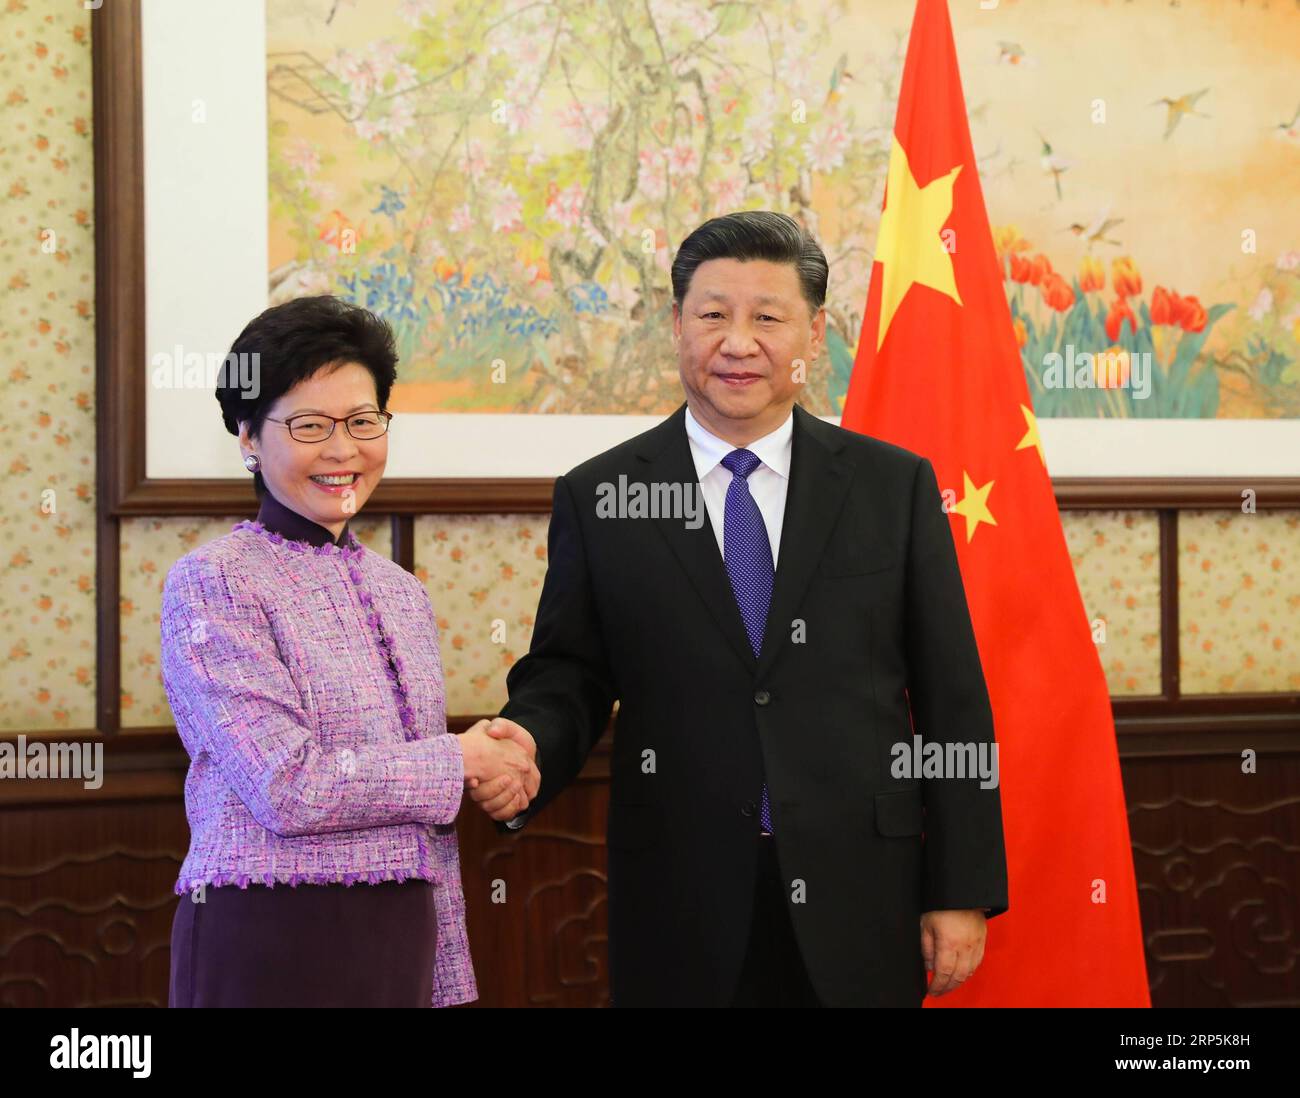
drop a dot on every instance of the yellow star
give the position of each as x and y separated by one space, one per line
908 245
974 505
1032 437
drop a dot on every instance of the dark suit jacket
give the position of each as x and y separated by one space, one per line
868 614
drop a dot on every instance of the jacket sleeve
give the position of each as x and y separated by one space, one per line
965 857
221 666
562 690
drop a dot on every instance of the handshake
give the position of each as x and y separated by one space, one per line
501 772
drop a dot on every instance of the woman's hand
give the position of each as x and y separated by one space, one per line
500 770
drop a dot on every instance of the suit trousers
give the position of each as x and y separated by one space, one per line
773 974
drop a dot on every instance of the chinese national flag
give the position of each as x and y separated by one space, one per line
938 371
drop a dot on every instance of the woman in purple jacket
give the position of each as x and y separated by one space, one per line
304 675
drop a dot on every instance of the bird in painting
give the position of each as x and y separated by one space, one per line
1095 233
1179 107
1053 163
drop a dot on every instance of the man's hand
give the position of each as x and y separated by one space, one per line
952 943
499 769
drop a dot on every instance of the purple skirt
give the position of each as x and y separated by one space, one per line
370 945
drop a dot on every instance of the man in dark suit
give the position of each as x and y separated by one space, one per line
777 617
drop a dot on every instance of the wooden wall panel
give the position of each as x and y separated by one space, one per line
1217 856
86 902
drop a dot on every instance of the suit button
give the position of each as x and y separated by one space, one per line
762 697
748 808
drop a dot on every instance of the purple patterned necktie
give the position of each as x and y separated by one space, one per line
747 555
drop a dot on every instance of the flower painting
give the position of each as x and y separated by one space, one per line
506 182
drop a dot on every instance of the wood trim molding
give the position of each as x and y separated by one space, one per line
1175 493
139 495
119 248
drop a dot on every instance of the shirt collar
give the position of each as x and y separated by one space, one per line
773 449
279 519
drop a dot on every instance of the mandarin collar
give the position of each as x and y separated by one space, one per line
279 519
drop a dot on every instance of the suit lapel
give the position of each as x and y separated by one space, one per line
668 456
819 483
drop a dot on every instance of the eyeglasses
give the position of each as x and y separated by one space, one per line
313 427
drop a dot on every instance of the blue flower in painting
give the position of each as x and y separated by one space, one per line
389 203
385 291
480 308
588 297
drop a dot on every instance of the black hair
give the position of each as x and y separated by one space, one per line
293 341
754 234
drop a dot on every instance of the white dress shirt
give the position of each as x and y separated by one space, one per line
767 483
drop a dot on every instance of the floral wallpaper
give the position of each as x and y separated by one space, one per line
484 575
47 345
1239 599
1116 557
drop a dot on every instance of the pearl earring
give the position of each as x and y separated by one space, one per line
252 463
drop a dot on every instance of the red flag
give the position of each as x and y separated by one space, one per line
938 371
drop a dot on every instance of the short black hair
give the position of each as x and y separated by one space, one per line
754 234
293 341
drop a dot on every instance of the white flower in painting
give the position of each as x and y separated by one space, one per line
414 10
384 55
692 16
1263 304
523 118
473 162
348 67
653 178
462 219
1288 261
507 211
683 159
524 41
581 122
365 76
367 129
620 219
537 156
321 191
756 138
825 151
404 78
728 193
400 118
623 294
718 79
518 104
796 71
593 234
566 206
303 156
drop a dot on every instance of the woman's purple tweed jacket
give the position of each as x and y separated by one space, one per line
311 762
